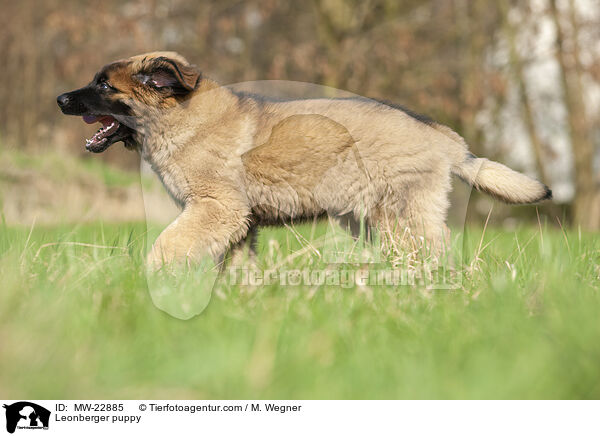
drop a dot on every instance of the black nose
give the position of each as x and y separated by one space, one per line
62 100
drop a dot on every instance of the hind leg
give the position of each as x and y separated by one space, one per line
427 217
244 251
420 232
414 221
395 232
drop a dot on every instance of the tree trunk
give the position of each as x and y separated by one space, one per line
516 66
583 147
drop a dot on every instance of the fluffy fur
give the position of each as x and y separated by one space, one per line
234 161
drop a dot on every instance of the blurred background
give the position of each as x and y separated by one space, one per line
519 80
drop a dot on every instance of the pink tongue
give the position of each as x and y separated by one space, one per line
106 120
90 119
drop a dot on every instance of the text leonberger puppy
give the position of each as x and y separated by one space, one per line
232 160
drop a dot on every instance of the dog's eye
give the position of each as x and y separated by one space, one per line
104 86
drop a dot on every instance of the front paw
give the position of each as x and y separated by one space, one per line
162 255
153 261
176 256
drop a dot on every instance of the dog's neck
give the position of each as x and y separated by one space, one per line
204 122
161 132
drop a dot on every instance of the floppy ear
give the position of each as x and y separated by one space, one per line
166 73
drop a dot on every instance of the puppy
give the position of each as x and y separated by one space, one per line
232 161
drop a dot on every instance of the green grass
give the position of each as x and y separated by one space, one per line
77 321
62 166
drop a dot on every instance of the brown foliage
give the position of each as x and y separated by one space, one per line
436 57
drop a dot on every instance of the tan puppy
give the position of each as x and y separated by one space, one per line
232 161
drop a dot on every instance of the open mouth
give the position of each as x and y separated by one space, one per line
111 131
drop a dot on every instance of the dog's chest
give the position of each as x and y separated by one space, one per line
175 184
171 175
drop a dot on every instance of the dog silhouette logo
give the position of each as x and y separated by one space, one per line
26 415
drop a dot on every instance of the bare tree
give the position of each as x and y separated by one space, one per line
579 129
516 66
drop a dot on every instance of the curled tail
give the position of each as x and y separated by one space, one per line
500 182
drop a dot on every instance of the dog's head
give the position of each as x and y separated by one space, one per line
120 90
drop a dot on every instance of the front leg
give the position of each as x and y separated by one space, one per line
244 251
205 229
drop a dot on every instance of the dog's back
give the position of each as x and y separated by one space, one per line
230 159
371 159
